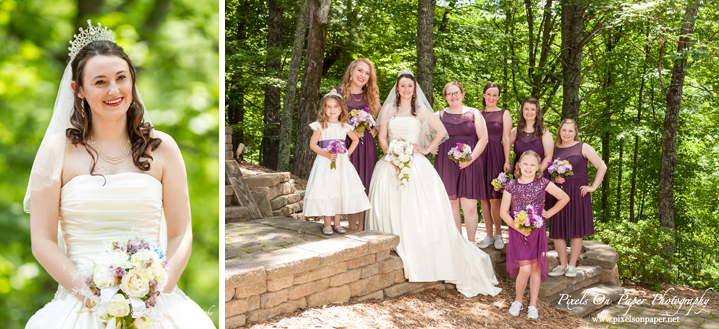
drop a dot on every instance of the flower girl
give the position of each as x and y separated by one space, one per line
334 187
523 211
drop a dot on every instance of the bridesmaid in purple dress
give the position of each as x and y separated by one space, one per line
461 180
359 90
527 252
575 221
531 134
495 159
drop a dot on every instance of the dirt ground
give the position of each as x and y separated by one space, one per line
429 309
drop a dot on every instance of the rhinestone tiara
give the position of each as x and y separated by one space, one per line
86 36
333 93
405 71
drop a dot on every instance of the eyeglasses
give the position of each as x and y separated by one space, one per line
454 94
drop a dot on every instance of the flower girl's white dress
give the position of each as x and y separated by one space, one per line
94 212
334 191
430 246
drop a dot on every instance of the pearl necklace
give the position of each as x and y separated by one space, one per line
111 159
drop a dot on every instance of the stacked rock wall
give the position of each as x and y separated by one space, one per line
356 266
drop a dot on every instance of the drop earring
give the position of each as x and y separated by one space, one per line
82 106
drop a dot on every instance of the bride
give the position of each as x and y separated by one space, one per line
102 174
430 246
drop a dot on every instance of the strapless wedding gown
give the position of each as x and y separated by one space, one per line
430 246
92 213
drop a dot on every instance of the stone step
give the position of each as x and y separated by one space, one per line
228 200
583 301
228 190
288 209
236 214
267 180
549 290
283 200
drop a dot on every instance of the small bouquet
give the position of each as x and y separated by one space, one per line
528 220
361 119
460 153
501 180
400 153
129 277
560 168
335 147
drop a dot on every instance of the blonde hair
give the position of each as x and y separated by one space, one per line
558 141
370 90
450 84
529 153
322 115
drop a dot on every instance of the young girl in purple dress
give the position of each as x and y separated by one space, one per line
531 134
494 159
574 221
461 180
527 252
359 91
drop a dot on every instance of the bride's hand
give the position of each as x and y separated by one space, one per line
418 149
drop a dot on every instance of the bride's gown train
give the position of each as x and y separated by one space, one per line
430 246
91 215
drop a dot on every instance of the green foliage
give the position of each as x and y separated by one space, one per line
176 55
639 246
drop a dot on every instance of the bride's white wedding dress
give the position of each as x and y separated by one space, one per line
430 246
93 212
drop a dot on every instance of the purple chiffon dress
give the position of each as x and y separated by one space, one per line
525 142
575 220
493 156
464 183
364 156
534 250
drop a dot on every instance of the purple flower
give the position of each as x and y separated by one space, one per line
118 271
562 169
502 178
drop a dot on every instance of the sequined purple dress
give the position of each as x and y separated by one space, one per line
534 250
364 156
575 220
493 156
463 183
525 142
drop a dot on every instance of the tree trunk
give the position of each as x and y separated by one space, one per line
273 95
283 161
310 91
671 123
572 28
235 97
605 182
425 48
547 38
86 8
619 179
633 190
443 25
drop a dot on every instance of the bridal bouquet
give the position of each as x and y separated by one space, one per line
528 220
335 147
129 277
501 180
460 153
560 168
400 153
361 119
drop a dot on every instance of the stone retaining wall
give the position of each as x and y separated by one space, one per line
275 194
356 266
228 144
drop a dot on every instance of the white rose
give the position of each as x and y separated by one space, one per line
119 306
397 150
404 158
143 323
396 162
102 277
115 258
135 283
405 170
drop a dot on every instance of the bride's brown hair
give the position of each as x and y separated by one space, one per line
138 130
